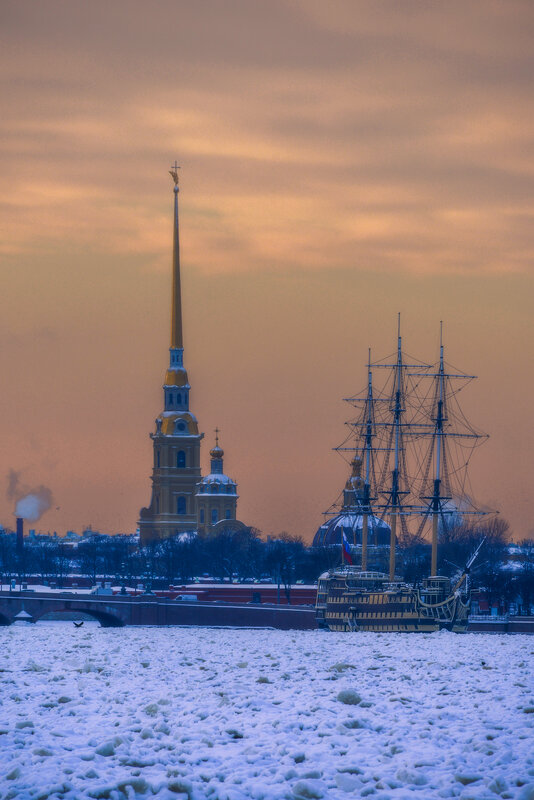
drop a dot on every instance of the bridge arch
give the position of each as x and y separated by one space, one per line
105 619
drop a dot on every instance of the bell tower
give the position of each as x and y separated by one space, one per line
176 440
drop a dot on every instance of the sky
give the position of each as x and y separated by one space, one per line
340 162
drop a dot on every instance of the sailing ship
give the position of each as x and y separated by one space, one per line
404 438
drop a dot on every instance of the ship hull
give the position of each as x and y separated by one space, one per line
402 610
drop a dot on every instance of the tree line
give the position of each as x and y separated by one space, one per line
244 555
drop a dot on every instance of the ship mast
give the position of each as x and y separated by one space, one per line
439 420
363 450
398 427
367 450
442 428
395 494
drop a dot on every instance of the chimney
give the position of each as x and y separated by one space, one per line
20 534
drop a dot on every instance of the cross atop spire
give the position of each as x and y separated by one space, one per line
174 172
217 454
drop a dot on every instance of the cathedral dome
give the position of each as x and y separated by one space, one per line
181 423
176 377
351 524
217 483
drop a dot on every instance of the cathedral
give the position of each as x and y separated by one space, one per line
349 521
182 500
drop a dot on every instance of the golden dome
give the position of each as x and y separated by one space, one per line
217 452
176 377
170 423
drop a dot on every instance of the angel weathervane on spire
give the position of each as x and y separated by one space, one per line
174 172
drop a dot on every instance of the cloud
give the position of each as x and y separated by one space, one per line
399 135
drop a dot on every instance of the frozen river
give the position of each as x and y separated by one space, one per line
179 713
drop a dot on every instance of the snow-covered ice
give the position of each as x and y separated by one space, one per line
232 714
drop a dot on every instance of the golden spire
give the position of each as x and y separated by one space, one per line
176 320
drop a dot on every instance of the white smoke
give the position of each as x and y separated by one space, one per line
31 504
34 505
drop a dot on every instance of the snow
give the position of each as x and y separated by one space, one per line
355 522
23 615
199 713
217 477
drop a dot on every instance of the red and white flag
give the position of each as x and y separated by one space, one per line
346 552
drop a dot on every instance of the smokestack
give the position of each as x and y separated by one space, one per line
20 535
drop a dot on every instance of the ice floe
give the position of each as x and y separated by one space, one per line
216 714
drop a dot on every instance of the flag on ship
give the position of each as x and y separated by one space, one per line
346 551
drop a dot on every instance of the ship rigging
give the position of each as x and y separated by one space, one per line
414 444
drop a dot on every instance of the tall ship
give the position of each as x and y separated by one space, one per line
409 445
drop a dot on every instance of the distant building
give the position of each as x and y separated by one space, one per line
88 533
349 520
217 497
181 500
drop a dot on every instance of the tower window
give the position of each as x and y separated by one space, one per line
178 399
171 398
214 488
180 426
228 514
214 516
157 458
229 489
201 516
181 505
157 504
180 459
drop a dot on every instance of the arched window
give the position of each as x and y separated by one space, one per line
229 489
181 505
214 488
157 504
180 459
228 514
178 399
214 516
201 516
171 398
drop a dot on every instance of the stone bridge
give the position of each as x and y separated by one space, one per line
120 610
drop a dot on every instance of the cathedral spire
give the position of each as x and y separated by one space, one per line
176 320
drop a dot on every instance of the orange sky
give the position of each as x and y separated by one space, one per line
341 161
